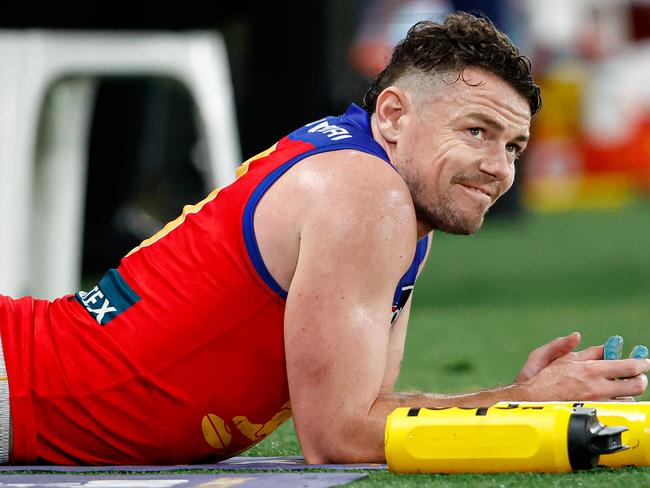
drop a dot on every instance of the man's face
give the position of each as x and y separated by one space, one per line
457 149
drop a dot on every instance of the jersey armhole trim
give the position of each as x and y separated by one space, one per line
248 226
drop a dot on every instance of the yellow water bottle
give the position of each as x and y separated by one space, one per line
490 440
633 415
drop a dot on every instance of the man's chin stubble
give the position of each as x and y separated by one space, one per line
446 220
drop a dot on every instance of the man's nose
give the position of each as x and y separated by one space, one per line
496 163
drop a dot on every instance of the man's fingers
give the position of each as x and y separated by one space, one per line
629 386
595 380
622 368
544 355
613 347
563 345
590 353
555 349
639 352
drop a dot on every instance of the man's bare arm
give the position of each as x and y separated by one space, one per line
354 247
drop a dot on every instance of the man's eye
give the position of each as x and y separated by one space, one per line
513 149
475 132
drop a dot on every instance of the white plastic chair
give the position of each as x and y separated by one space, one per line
42 210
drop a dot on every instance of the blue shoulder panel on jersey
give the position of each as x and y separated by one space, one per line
353 127
348 131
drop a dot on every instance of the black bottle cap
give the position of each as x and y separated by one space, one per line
588 438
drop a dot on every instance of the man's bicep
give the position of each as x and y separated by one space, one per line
336 335
335 352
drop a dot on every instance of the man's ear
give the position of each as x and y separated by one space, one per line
392 105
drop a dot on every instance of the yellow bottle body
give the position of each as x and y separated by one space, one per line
633 415
462 440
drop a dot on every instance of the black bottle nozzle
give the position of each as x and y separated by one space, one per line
588 439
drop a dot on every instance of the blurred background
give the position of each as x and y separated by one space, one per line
590 147
568 248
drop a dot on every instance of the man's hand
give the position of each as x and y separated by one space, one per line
553 372
546 354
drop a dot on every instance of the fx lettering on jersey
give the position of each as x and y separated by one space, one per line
91 301
111 297
334 132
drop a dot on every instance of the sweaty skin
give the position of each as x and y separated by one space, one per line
338 231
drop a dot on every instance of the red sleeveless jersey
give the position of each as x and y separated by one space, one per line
176 356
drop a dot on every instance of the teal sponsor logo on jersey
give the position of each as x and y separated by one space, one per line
111 297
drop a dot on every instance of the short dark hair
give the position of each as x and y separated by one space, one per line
462 40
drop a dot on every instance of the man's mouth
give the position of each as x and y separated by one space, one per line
479 190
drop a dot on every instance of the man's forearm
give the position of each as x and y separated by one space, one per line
388 402
362 439
358 434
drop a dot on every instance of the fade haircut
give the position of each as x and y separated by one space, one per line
461 41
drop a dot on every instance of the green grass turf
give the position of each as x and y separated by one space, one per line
509 288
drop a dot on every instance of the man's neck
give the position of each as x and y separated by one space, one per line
423 228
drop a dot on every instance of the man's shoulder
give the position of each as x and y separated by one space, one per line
353 169
353 175
356 190
339 206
